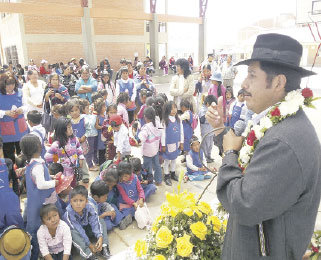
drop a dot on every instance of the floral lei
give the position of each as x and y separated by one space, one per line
289 106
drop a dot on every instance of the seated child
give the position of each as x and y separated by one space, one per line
9 201
34 120
195 170
146 179
84 223
121 138
108 133
113 217
130 190
111 178
54 235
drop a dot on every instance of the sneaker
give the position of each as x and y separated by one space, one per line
158 183
173 176
209 160
185 179
93 257
167 180
105 252
125 222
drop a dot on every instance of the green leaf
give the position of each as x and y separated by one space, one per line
315 257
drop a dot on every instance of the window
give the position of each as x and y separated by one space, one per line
12 55
162 27
147 26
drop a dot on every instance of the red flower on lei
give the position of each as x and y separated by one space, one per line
307 93
276 112
315 249
251 138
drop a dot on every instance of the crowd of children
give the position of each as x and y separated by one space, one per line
96 130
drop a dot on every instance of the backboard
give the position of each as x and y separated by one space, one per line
308 11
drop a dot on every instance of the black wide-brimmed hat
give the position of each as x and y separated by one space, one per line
278 49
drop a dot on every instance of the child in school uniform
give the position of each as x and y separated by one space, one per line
121 138
107 132
238 109
229 100
146 178
40 187
112 216
195 170
122 101
217 89
54 235
131 192
206 128
100 108
104 95
9 201
140 114
34 120
172 141
187 120
127 85
150 137
85 224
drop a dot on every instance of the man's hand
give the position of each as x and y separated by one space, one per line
112 214
215 115
99 244
232 142
92 248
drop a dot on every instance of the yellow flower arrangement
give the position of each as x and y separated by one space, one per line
205 208
164 237
199 229
225 224
159 257
140 248
215 221
188 211
156 222
184 246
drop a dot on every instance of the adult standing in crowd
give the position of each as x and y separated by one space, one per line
32 65
13 125
43 70
274 199
68 80
228 72
182 85
86 84
33 92
210 60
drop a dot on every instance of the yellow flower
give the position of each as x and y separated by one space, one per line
178 202
205 208
155 224
184 246
199 213
163 237
188 211
199 229
140 248
225 224
159 257
215 221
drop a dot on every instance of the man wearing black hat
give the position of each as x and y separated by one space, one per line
270 182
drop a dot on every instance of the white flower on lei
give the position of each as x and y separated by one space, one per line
246 149
293 101
248 128
258 131
266 122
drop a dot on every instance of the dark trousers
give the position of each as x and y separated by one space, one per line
101 156
10 149
91 156
131 116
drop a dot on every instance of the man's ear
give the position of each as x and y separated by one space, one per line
280 81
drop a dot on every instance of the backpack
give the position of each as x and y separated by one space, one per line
194 123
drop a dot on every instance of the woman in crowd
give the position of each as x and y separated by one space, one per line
86 85
13 125
33 92
182 85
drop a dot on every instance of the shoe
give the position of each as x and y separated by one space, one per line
93 257
167 180
106 253
173 176
183 160
125 222
158 183
185 179
209 160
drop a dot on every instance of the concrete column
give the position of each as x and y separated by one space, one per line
153 37
88 35
202 41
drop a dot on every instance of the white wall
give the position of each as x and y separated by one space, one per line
11 35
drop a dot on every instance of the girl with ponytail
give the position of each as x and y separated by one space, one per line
150 137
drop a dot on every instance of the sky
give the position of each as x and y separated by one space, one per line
224 19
